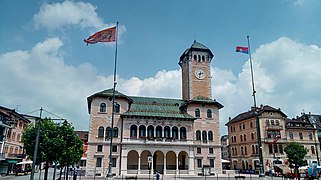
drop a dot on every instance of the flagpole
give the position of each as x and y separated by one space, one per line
110 173
261 174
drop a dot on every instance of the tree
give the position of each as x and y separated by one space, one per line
56 141
73 148
295 153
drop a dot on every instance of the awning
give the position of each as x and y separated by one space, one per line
25 162
12 161
225 161
285 169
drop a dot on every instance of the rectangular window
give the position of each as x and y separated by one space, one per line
291 135
210 150
301 135
211 162
98 162
113 161
312 150
199 163
270 149
114 148
276 148
281 149
199 150
99 148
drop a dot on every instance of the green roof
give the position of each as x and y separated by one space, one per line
154 107
157 107
197 47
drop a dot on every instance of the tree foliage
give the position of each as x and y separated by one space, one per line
58 143
295 153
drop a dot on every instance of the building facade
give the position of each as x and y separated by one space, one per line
12 125
170 136
302 130
276 130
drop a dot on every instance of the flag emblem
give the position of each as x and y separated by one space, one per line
106 35
241 49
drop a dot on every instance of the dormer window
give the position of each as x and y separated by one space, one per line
117 108
102 107
197 113
209 113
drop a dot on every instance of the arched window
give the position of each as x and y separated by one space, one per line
150 131
199 58
195 57
198 135
101 132
159 131
197 112
142 131
102 107
167 132
203 58
133 131
209 113
115 132
117 107
204 135
244 137
175 132
210 136
108 133
183 133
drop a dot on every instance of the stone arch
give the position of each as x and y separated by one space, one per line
158 161
183 160
170 160
132 160
143 159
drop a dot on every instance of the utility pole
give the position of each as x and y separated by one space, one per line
36 147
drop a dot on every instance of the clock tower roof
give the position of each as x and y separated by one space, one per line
196 46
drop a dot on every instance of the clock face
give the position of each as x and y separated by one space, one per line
200 73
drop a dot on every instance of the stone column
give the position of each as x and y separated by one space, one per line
138 164
164 164
177 165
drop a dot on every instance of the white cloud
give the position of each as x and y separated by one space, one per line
286 76
59 15
286 73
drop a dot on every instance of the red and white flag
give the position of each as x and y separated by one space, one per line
106 35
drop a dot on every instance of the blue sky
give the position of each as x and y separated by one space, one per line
45 63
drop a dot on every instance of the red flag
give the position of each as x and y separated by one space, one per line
106 35
241 49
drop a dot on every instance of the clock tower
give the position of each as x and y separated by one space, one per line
196 72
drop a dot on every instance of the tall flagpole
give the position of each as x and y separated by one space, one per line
256 114
110 173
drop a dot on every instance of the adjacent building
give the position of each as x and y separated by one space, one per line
12 125
275 131
170 136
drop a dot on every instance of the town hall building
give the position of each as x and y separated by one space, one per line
169 136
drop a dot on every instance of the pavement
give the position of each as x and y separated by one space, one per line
218 177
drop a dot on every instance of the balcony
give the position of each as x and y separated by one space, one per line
273 140
274 127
